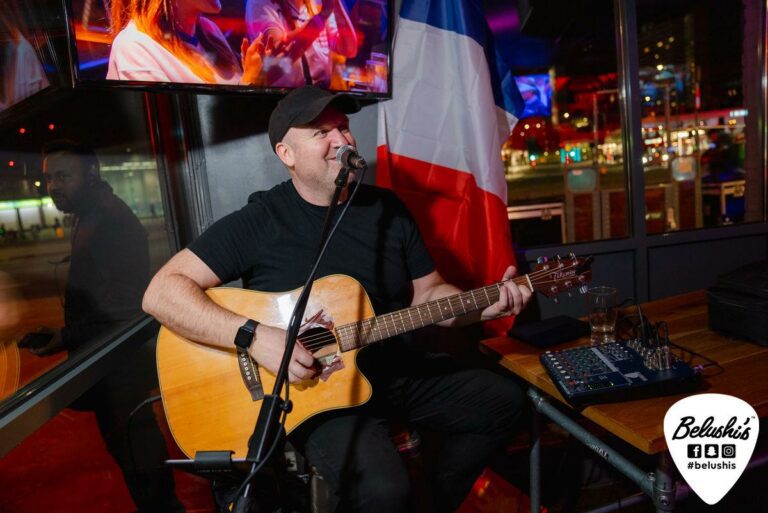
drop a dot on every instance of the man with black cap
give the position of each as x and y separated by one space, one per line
270 244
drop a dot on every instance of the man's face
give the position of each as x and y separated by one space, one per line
310 151
65 179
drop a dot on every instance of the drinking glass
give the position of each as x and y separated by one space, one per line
601 305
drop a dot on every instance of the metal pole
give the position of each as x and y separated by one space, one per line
535 461
697 197
664 486
625 13
595 133
667 126
623 465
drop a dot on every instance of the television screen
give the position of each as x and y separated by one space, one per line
654 82
27 60
340 45
536 90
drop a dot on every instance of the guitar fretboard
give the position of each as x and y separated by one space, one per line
368 331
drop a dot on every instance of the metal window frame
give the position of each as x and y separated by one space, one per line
184 190
640 242
39 401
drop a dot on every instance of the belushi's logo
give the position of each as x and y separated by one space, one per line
711 450
708 429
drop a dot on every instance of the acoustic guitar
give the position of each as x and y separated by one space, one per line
209 407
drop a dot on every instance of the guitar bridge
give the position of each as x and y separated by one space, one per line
330 363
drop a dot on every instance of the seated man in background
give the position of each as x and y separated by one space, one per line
109 270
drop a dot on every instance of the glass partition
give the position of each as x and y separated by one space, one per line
694 112
564 162
82 228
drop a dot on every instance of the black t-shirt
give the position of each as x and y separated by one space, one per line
271 243
109 269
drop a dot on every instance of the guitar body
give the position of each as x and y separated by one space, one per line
206 402
209 407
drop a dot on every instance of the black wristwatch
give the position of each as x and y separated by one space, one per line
245 335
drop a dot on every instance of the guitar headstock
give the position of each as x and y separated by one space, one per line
553 277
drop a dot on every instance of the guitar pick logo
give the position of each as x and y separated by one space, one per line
711 438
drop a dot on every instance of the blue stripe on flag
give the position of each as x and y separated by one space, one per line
466 17
506 95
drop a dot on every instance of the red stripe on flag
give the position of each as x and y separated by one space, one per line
465 228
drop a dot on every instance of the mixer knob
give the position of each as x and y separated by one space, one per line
542 260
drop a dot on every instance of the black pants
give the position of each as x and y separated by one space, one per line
139 452
476 410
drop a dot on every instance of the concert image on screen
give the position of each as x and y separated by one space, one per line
536 90
340 45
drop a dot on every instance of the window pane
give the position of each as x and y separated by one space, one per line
564 162
694 113
79 242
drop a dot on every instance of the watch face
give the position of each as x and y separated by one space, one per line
244 335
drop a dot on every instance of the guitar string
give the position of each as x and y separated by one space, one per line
318 341
326 336
532 275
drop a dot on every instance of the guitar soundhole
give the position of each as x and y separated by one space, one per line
315 339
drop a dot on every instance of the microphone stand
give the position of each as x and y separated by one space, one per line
273 405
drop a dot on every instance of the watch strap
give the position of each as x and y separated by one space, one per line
249 370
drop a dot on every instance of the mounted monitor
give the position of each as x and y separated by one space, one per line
536 91
28 57
233 45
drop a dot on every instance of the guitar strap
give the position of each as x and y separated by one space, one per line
249 371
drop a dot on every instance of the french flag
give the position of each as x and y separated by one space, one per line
439 138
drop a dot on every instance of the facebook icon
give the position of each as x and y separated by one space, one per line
694 450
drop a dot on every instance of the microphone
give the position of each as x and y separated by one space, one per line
348 157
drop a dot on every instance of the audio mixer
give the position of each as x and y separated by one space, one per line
618 371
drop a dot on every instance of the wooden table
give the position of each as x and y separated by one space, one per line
729 367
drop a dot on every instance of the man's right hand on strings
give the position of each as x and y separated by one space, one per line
268 347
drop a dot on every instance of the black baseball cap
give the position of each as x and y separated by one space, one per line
301 106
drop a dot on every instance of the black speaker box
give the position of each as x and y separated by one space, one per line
738 303
550 332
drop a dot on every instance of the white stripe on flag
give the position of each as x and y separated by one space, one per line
442 109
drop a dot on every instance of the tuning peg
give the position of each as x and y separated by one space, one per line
542 260
558 258
573 256
556 300
583 289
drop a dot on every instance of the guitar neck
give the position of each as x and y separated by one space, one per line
368 331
